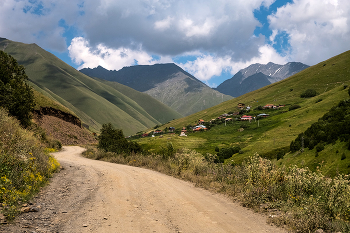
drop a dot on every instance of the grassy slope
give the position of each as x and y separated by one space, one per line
94 102
327 78
162 112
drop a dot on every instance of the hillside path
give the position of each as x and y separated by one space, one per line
95 196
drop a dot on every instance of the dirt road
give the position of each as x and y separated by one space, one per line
95 196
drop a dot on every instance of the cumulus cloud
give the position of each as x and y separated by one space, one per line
317 29
84 55
172 28
207 66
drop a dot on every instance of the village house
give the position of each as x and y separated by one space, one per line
263 115
157 131
246 118
241 106
199 127
171 129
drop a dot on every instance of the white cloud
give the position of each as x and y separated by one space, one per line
207 66
112 59
163 24
317 29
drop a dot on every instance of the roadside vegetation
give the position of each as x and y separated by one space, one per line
296 198
25 165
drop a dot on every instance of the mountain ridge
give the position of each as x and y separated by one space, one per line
274 73
168 83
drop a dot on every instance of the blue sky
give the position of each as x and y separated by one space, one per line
211 39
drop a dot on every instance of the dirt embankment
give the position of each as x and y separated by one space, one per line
63 126
96 196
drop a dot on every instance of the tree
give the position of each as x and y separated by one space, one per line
113 140
15 94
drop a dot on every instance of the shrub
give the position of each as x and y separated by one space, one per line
226 153
15 94
320 147
319 100
308 93
295 106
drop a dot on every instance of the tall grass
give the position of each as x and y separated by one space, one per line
303 201
24 165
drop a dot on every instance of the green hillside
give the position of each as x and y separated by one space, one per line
266 136
92 101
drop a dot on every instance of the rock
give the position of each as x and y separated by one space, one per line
34 209
2 219
25 209
85 225
319 231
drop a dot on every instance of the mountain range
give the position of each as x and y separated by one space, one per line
167 83
257 76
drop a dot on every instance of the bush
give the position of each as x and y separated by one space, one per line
226 153
295 106
113 140
15 94
319 100
308 93
320 147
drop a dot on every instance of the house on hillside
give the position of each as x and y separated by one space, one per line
201 121
273 106
269 106
246 118
263 115
199 127
145 135
157 131
241 105
171 129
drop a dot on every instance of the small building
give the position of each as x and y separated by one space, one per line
263 115
269 106
246 118
241 105
199 127
157 131
145 135
171 129
201 121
